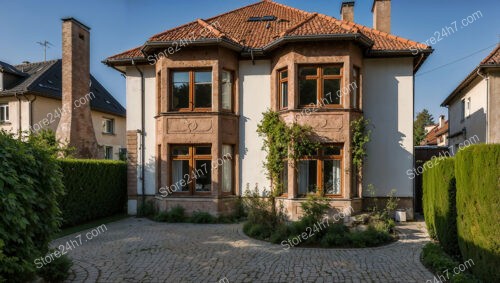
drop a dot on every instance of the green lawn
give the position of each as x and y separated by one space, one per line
90 225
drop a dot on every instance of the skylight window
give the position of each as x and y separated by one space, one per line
262 19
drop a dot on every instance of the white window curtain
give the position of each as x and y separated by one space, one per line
336 177
227 89
177 175
227 169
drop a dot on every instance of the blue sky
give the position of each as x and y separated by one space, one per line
117 25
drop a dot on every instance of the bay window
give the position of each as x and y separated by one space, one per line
320 85
191 169
321 173
191 90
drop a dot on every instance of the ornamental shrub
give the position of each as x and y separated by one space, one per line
30 184
93 189
477 170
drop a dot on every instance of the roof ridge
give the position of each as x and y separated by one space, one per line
341 23
495 50
126 51
38 63
241 8
172 29
215 31
299 24
288 7
389 35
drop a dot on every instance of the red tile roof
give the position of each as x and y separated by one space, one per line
291 22
432 136
492 60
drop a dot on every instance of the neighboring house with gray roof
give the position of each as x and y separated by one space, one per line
30 100
474 105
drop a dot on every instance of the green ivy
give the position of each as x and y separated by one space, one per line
360 137
282 142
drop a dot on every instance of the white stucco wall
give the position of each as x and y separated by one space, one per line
133 88
255 86
388 103
475 123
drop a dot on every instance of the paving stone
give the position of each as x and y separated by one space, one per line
140 250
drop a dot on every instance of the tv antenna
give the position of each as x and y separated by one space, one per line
45 45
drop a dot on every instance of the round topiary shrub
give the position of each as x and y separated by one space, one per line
30 182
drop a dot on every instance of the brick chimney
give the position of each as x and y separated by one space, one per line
347 11
75 126
381 10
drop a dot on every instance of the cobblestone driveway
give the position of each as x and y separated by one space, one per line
140 250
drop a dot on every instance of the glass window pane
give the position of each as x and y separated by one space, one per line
203 77
331 71
284 94
307 177
307 92
227 90
180 176
180 90
284 178
331 89
181 77
283 74
227 169
203 150
180 150
203 169
203 89
331 177
308 71
332 150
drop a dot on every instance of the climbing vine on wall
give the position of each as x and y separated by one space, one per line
360 137
282 142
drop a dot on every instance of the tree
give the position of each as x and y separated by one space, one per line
424 118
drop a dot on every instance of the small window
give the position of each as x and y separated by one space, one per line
284 180
108 152
108 126
462 109
468 106
227 90
283 89
4 112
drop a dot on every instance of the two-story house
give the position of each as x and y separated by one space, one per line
196 93
62 95
474 105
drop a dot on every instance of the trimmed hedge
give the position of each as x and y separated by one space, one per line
477 171
440 204
30 183
93 189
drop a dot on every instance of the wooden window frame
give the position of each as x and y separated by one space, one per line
233 91
319 77
280 82
191 102
192 157
285 169
320 158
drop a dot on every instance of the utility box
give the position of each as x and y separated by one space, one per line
401 215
